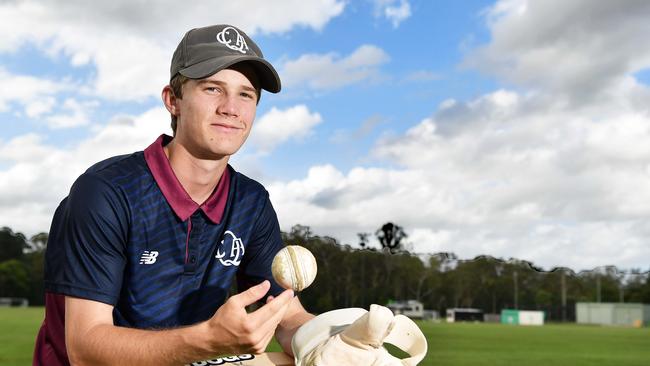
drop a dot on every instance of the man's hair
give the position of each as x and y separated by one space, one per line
176 84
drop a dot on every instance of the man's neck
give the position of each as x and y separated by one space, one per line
199 177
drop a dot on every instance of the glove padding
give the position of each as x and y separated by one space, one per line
330 339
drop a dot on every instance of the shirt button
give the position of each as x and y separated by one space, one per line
192 259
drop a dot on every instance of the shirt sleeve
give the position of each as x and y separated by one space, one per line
86 251
266 242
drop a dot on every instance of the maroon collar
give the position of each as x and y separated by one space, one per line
171 188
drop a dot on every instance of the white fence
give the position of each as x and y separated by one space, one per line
13 301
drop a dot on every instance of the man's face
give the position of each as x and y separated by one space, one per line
216 114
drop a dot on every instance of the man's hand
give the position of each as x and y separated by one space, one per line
236 331
294 317
93 339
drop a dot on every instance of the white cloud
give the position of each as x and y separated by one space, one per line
579 49
330 71
77 114
498 175
38 106
34 162
397 14
40 173
27 148
396 11
36 98
278 126
33 94
131 42
557 173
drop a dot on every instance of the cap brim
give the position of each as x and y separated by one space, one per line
269 79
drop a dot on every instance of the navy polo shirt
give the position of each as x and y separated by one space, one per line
129 235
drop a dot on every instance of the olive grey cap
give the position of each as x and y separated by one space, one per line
205 51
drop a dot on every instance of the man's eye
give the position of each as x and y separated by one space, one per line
213 90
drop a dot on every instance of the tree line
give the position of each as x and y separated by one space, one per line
360 276
21 265
353 277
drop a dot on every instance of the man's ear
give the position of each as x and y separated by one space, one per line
170 100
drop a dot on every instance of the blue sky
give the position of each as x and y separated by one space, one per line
509 128
429 43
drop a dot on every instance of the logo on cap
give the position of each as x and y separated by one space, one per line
231 38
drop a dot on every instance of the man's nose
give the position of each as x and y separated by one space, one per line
228 106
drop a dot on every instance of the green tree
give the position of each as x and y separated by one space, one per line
34 260
14 279
637 287
349 277
12 245
391 236
37 243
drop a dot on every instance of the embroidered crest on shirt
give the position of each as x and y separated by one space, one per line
149 257
236 250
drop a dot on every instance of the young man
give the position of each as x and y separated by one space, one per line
143 251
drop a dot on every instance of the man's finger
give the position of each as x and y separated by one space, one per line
252 295
272 312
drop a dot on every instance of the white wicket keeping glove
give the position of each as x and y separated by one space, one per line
355 337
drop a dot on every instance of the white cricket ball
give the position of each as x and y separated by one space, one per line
294 267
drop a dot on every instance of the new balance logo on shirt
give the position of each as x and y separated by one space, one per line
148 257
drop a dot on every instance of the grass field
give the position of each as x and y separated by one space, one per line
18 329
458 344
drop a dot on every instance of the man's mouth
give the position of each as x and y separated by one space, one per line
226 127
